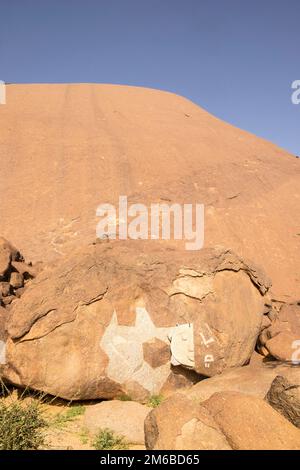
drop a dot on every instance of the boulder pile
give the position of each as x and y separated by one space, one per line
226 419
281 336
14 273
109 321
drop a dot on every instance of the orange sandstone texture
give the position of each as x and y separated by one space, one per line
65 149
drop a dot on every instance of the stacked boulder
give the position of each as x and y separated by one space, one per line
14 273
231 411
280 337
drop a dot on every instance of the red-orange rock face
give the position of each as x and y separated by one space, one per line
68 148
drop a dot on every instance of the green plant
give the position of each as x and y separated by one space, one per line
155 400
125 398
84 436
21 426
72 412
108 440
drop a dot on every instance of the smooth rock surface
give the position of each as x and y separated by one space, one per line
250 423
124 418
95 142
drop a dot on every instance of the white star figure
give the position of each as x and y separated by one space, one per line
124 347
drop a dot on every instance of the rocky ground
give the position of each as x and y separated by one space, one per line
209 364
254 407
72 426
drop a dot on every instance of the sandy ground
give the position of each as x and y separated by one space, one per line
65 430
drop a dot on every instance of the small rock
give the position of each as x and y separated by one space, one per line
281 347
5 289
280 338
25 269
19 292
8 300
16 280
4 264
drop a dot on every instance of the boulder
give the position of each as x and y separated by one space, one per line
99 323
233 401
181 424
124 418
250 423
284 397
253 380
281 339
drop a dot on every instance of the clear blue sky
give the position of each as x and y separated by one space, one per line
236 58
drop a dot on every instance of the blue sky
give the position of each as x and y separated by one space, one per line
235 58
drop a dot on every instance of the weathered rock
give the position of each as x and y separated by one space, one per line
19 292
180 379
16 280
3 318
181 424
8 300
125 418
13 269
163 426
283 347
28 271
4 263
281 339
250 187
8 253
253 380
221 318
250 423
3 336
5 289
284 397
91 320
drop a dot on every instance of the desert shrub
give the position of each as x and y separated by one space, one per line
84 436
21 425
108 440
72 412
124 398
155 400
